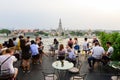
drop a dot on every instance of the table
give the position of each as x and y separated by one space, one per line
58 65
115 65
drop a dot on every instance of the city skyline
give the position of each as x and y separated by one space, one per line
74 14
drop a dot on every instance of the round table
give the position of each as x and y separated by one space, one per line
66 65
58 65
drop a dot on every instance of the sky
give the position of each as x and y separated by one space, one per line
45 14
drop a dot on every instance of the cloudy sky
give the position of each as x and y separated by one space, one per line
45 14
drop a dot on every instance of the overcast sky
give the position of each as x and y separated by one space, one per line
45 14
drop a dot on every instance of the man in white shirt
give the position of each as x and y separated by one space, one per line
85 47
97 53
8 64
107 57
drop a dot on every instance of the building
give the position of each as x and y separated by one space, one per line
60 29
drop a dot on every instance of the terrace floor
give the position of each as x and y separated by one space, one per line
99 73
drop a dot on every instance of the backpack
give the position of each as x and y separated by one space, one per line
76 47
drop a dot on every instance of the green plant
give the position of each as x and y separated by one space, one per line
114 38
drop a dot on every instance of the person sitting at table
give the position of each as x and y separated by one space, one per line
71 55
97 53
61 52
107 57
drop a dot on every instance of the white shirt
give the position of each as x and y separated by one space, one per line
15 43
110 51
71 54
98 52
85 45
9 63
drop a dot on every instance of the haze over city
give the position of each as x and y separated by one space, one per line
45 14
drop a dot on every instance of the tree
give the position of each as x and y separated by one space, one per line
5 31
36 34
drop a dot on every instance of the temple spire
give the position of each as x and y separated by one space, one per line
60 23
60 30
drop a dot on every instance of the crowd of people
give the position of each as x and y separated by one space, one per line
32 51
23 49
94 53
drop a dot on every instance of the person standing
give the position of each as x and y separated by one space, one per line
10 43
70 42
35 53
94 41
41 47
14 41
19 43
55 46
76 45
28 40
26 55
85 46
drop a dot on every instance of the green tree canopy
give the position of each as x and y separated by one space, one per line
5 31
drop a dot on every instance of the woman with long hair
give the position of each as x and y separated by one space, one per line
61 52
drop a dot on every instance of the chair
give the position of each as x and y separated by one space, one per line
98 64
75 69
115 78
49 74
77 75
